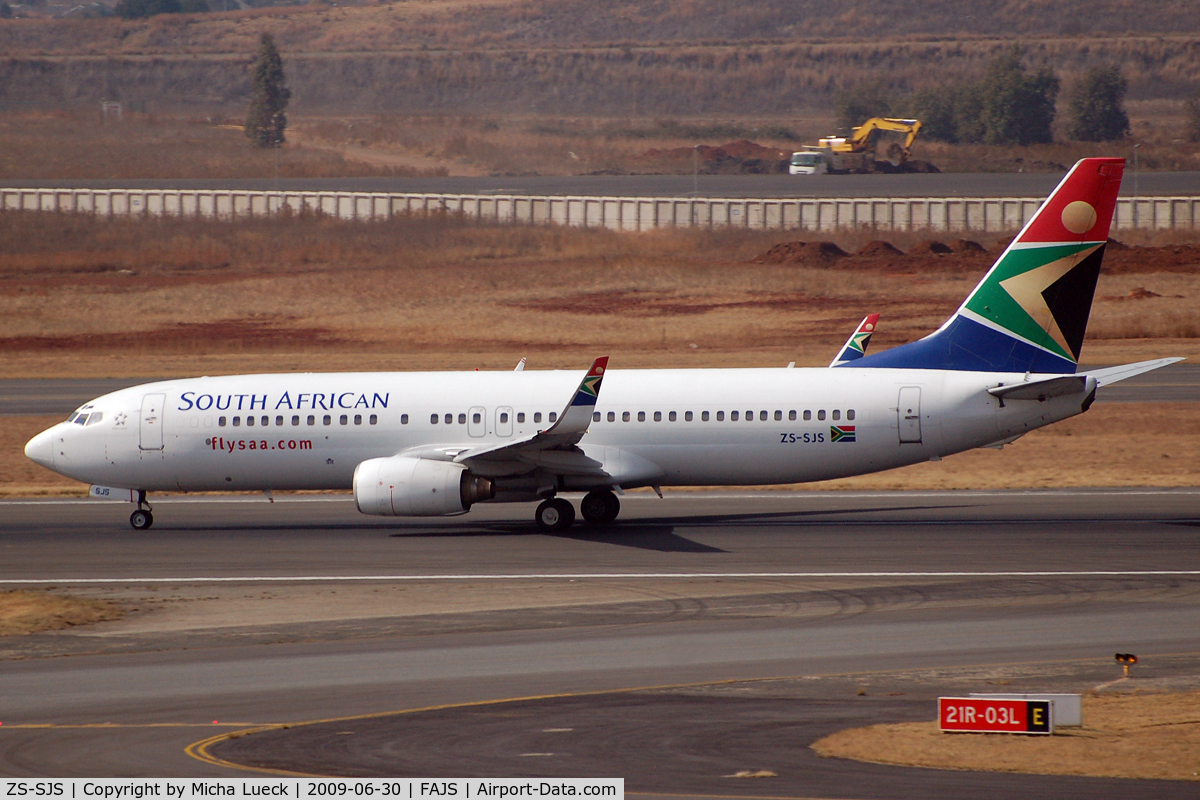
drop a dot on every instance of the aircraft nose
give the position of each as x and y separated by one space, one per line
41 448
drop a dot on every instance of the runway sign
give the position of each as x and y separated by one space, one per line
1067 711
989 715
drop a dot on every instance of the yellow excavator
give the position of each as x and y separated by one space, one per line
860 151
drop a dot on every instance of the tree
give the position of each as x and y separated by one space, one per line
1018 108
1191 110
1097 106
266 119
855 106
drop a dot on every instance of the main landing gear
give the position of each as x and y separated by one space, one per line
143 518
598 507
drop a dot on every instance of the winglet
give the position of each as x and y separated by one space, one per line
577 416
856 346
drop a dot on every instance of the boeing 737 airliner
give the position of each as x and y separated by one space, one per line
419 444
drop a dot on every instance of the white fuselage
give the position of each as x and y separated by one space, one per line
667 427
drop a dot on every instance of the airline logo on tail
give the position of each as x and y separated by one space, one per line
1030 312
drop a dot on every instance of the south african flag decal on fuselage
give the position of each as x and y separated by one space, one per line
842 433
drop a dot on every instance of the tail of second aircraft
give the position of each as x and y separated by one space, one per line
1030 312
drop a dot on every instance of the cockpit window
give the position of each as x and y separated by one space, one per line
81 419
95 417
71 418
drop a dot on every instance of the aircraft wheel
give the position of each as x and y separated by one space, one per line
600 507
555 515
141 520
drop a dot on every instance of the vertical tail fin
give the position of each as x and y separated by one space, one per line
1030 312
856 346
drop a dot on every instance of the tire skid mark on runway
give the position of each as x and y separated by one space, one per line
575 576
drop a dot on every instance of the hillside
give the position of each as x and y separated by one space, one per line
573 57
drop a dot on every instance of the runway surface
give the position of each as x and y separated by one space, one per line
1029 184
263 614
1176 383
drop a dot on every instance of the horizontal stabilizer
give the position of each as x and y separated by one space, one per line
1114 374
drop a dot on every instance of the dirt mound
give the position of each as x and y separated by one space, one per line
800 253
931 246
1113 244
738 157
967 246
879 247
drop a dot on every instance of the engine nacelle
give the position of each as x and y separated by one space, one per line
417 487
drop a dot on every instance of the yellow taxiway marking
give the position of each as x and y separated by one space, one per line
121 725
201 750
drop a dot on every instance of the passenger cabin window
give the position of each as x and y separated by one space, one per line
792 415
403 419
641 416
374 420
477 418
220 422
595 416
658 416
720 416
762 416
449 419
296 419
433 419
249 420
553 416
237 421
537 416
837 414
520 416
279 420
850 414
503 417
312 420
671 417
733 416
358 419
821 414
807 415
704 416
624 416
327 420
749 416
462 419
267 421
778 416
612 416
343 420
687 416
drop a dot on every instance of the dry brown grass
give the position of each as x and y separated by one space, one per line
81 145
1148 736
24 612
318 285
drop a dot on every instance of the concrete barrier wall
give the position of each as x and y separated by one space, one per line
617 213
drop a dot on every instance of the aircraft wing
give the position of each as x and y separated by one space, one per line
856 346
554 447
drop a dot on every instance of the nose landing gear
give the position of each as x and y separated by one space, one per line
143 518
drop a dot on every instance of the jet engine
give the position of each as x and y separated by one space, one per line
416 487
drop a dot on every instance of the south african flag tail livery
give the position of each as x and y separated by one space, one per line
1030 312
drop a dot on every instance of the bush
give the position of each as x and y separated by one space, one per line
134 9
1096 105
856 106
